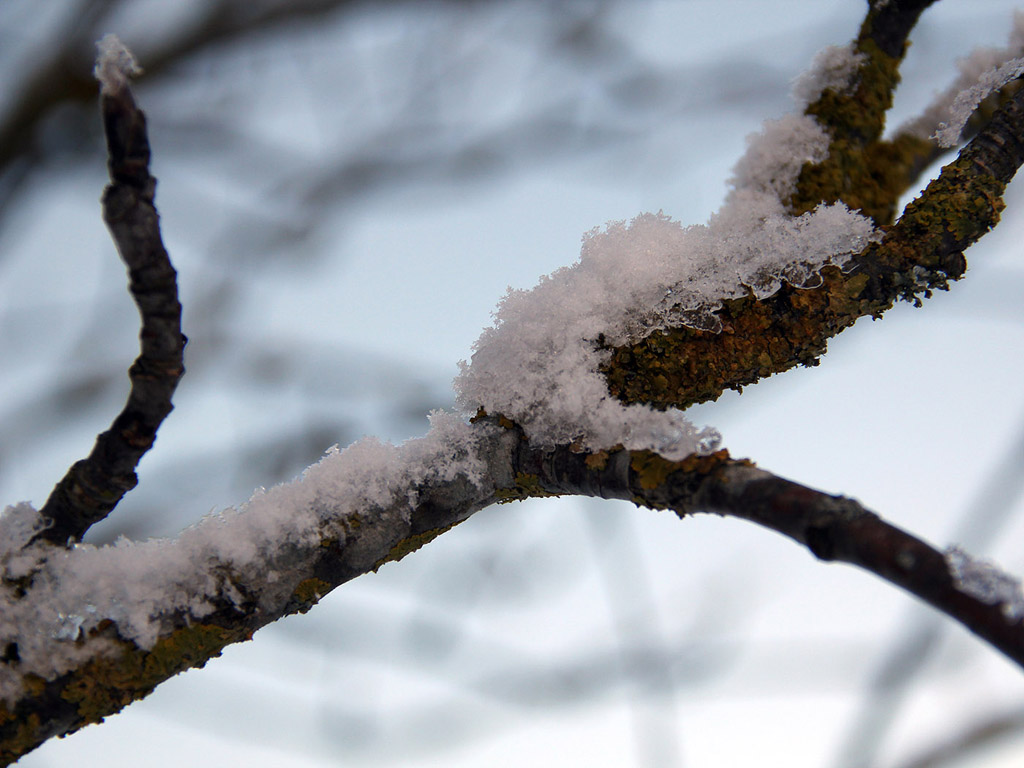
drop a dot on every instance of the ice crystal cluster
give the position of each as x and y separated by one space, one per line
238 550
986 582
539 363
115 65
982 72
833 68
968 100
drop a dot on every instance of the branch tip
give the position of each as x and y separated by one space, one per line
115 65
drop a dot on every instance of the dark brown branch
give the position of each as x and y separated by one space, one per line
888 24
892 681
833 528
114 671
93 486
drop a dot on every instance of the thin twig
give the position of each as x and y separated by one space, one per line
904 660
93 486
833 528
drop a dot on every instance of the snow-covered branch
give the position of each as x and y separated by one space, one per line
923 251
577 389
87 630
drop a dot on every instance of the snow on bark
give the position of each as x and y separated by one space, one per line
115 65
833 68
51 597
539 365
985 581
967 100
984 70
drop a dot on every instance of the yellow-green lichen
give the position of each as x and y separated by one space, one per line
527 486
653 471
683 366
308 592
854 285
25 738
106 685
411 544
865 173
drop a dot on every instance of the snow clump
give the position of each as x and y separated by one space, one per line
539 363
115 65
985 581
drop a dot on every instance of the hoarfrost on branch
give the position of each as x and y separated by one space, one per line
986 582
135 583
968 100
115 64
981 72
539 364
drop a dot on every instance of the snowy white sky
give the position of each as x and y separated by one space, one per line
541 633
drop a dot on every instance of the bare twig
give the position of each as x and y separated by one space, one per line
909 654
93 486
831 527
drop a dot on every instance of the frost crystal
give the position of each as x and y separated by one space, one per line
986 582
968 100
834 68
115 64
946 116
18 524
539 364
224 557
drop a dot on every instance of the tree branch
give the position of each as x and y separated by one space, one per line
93 486
86 630
922 252
85 633
831 527
163 607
